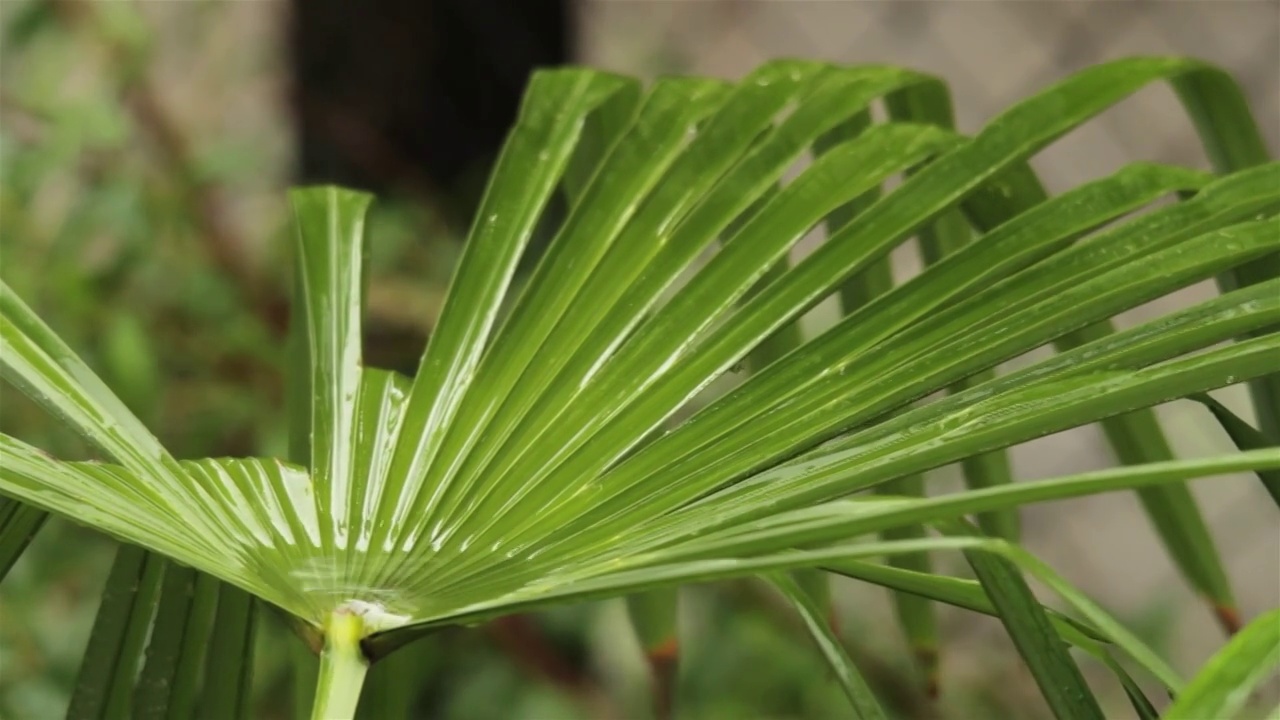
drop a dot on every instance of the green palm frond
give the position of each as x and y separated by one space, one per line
536 456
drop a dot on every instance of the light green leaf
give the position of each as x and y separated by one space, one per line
830 522
704 193
1223 685
1067 390
330 282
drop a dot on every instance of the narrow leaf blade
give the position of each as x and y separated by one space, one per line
855 687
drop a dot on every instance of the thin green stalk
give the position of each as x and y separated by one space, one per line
342 668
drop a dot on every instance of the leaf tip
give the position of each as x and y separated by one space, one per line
664 651
662 658
927 659
1228 618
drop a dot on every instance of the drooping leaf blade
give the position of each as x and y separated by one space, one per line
855 687
1044 653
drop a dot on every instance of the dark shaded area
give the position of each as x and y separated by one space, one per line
415 96
412 99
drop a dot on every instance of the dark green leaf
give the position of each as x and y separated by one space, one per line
1245 437
19 523
229 664
176 650
105 684
1044 653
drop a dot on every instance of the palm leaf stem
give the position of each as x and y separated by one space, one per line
342 667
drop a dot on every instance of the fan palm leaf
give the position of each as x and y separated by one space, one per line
535 457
